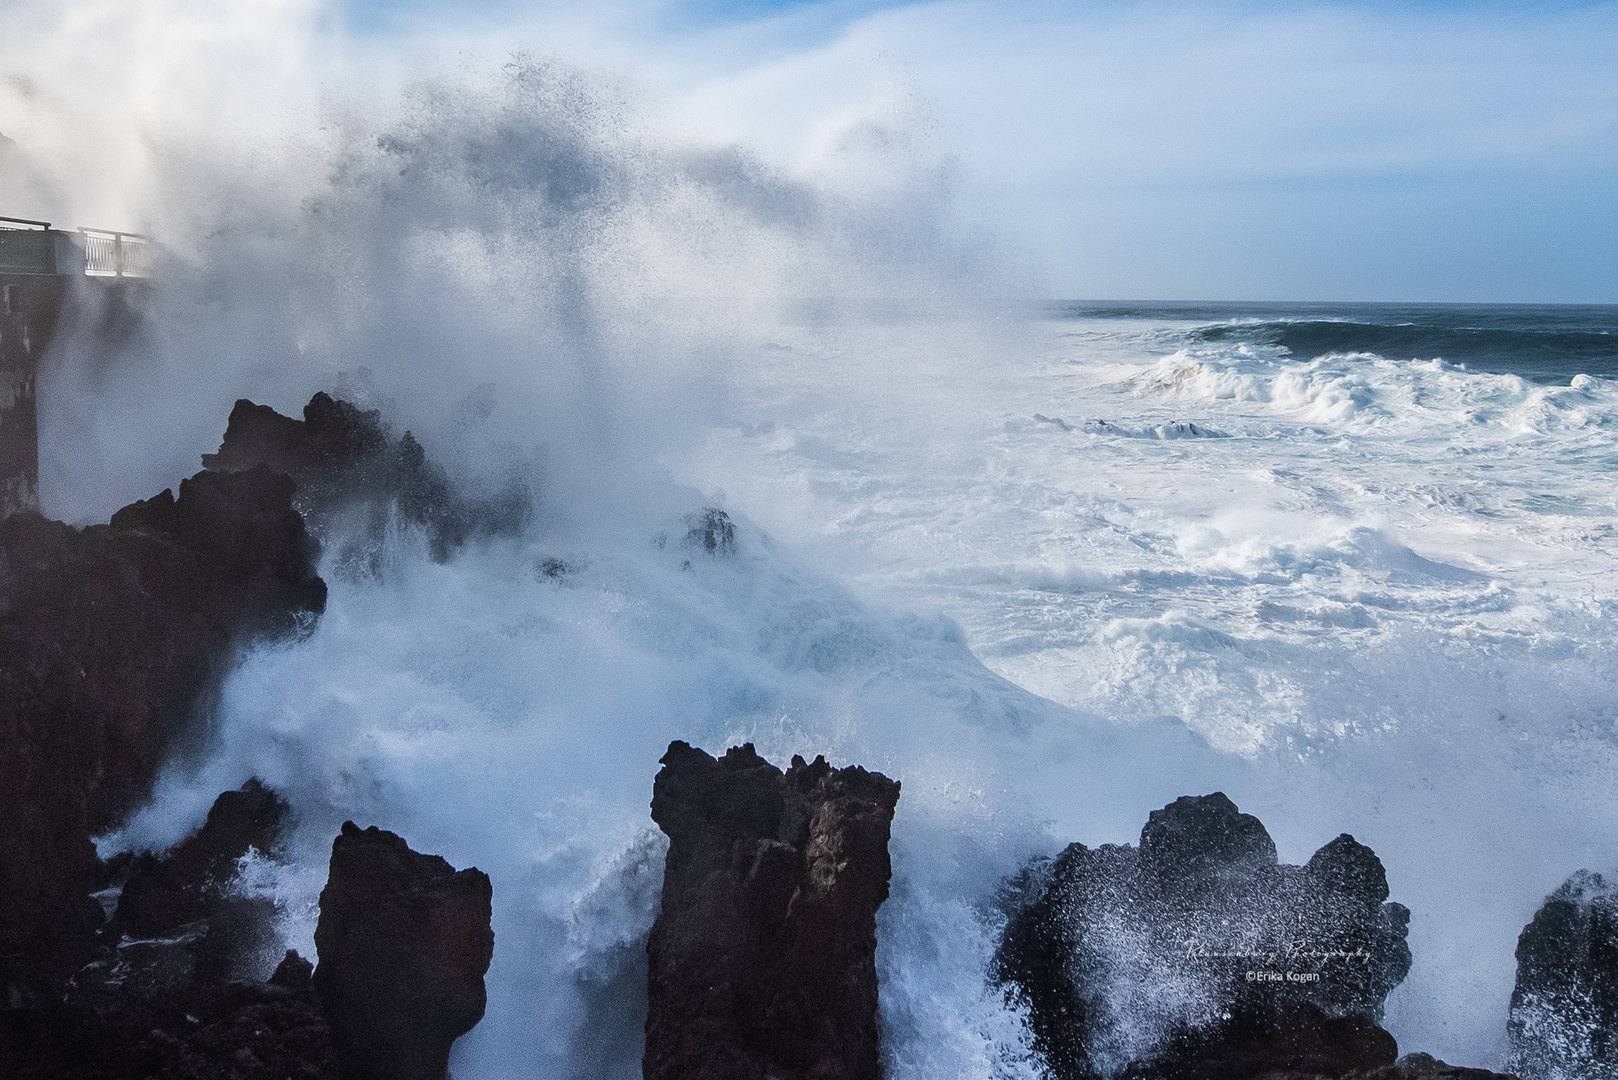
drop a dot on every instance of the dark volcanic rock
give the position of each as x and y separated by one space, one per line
1564 1010
173 989
266 1031
235 1031
332 437
711 531
762 961
186 883
1198 954
112 641
1409 1067
1426 1067
404 942
347 464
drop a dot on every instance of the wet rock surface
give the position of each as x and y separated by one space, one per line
1410 1067
186 980
404 942
1197 954
189 882
1420 1066
113 640
1564 1008
349 467
762 960
175 986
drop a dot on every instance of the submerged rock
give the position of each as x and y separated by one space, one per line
1197 954
404 942
762 962
1564 1010
710 531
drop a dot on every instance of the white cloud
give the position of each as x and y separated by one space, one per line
1139 147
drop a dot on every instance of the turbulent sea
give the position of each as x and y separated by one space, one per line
1051 573
1051 566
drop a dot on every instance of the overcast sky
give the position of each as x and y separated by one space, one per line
1209 150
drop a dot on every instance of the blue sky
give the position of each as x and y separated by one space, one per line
1378 151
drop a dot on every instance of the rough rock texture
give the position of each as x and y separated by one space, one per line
348 466
762 962
112 641
236 1030
404 942
1409 1067
162 894
1426 1067
1198 955
267 1031
174 988
1564 1010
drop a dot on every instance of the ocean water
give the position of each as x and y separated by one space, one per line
1380 580
1050 565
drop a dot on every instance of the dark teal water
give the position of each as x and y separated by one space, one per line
1545 343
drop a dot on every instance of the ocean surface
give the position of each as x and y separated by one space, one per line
1050 565
1365 551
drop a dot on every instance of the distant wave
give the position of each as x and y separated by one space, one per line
1542 355
1543 343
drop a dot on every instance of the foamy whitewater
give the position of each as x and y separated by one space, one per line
1051 567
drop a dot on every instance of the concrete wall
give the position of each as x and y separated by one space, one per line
29 307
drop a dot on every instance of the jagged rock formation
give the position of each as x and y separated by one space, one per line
347 464
1410 1067
1564 1010
112 641
762 961
1426 1067
162 894
1198 955
404 942
175 987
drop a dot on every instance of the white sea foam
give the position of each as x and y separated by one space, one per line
1390 590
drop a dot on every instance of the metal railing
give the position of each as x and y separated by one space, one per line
33 247
115 254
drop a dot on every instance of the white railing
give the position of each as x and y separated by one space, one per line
115 254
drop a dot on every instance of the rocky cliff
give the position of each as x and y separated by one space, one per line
404 942
762 962
113 640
